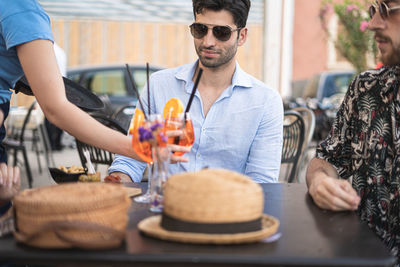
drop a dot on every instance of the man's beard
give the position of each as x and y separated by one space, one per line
225 56
390 58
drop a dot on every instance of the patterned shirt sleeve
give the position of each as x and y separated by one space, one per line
336 148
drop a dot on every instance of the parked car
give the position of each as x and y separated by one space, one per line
323 94
111 82
327 84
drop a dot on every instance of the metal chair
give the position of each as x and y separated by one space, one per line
17 143
124 115
293 141
308 150
98 155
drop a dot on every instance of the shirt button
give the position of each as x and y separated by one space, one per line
198 155
203 129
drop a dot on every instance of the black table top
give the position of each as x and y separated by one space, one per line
309 237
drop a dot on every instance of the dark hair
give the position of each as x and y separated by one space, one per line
238 8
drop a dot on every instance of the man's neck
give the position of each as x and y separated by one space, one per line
218 78
213 82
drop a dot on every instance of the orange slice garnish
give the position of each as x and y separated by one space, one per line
137 121
173 108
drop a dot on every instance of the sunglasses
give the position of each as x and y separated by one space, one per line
222 33
384 9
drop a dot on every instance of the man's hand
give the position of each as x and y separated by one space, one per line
334 194
327 190
9 182
124 177
176 148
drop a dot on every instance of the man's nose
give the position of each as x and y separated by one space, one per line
209 39
376 22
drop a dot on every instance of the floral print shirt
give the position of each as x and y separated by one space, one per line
364 147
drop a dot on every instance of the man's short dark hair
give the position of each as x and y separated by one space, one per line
238 8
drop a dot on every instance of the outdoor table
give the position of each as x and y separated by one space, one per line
309 237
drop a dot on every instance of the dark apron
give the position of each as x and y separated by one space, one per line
5 107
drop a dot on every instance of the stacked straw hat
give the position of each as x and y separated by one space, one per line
211 206
83 215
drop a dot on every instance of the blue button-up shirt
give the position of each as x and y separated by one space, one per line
241 132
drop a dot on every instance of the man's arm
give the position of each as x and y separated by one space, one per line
264 160
327 190
131 169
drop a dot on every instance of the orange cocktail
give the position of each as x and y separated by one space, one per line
147 134
184 123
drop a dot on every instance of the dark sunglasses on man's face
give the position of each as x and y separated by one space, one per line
222 33
384 9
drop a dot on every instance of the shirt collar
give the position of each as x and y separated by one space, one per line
240 78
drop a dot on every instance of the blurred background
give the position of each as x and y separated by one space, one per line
303 48
286 46
308 50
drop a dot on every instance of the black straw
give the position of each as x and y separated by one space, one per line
135 89
196 83
148 88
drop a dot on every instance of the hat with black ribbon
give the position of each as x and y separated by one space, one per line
211 206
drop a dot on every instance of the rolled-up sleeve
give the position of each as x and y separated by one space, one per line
129 166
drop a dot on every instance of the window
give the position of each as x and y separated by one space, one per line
140 77
109 82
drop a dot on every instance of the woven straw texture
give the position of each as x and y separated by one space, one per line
86 215
213 196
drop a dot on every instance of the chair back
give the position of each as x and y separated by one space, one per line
308 150
124 115
98 155
309 123
26 121
293 140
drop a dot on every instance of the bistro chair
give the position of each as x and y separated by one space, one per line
16 143
306 154
124 115
293 141
98 155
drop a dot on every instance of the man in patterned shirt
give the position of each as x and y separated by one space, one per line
358 166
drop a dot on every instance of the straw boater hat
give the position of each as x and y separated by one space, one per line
211 206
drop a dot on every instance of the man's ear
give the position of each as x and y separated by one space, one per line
242 36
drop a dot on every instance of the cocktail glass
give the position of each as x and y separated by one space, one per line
182 122
147 134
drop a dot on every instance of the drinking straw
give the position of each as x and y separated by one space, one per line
148 88
136 90
196 83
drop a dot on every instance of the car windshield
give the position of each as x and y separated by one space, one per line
329 84
336 84
106 82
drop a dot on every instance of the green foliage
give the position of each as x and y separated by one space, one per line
354 41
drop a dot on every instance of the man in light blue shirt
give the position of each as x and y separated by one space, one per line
238 120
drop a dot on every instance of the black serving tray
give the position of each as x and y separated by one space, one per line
76 94
60 176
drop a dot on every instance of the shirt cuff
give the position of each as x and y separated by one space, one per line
135 175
